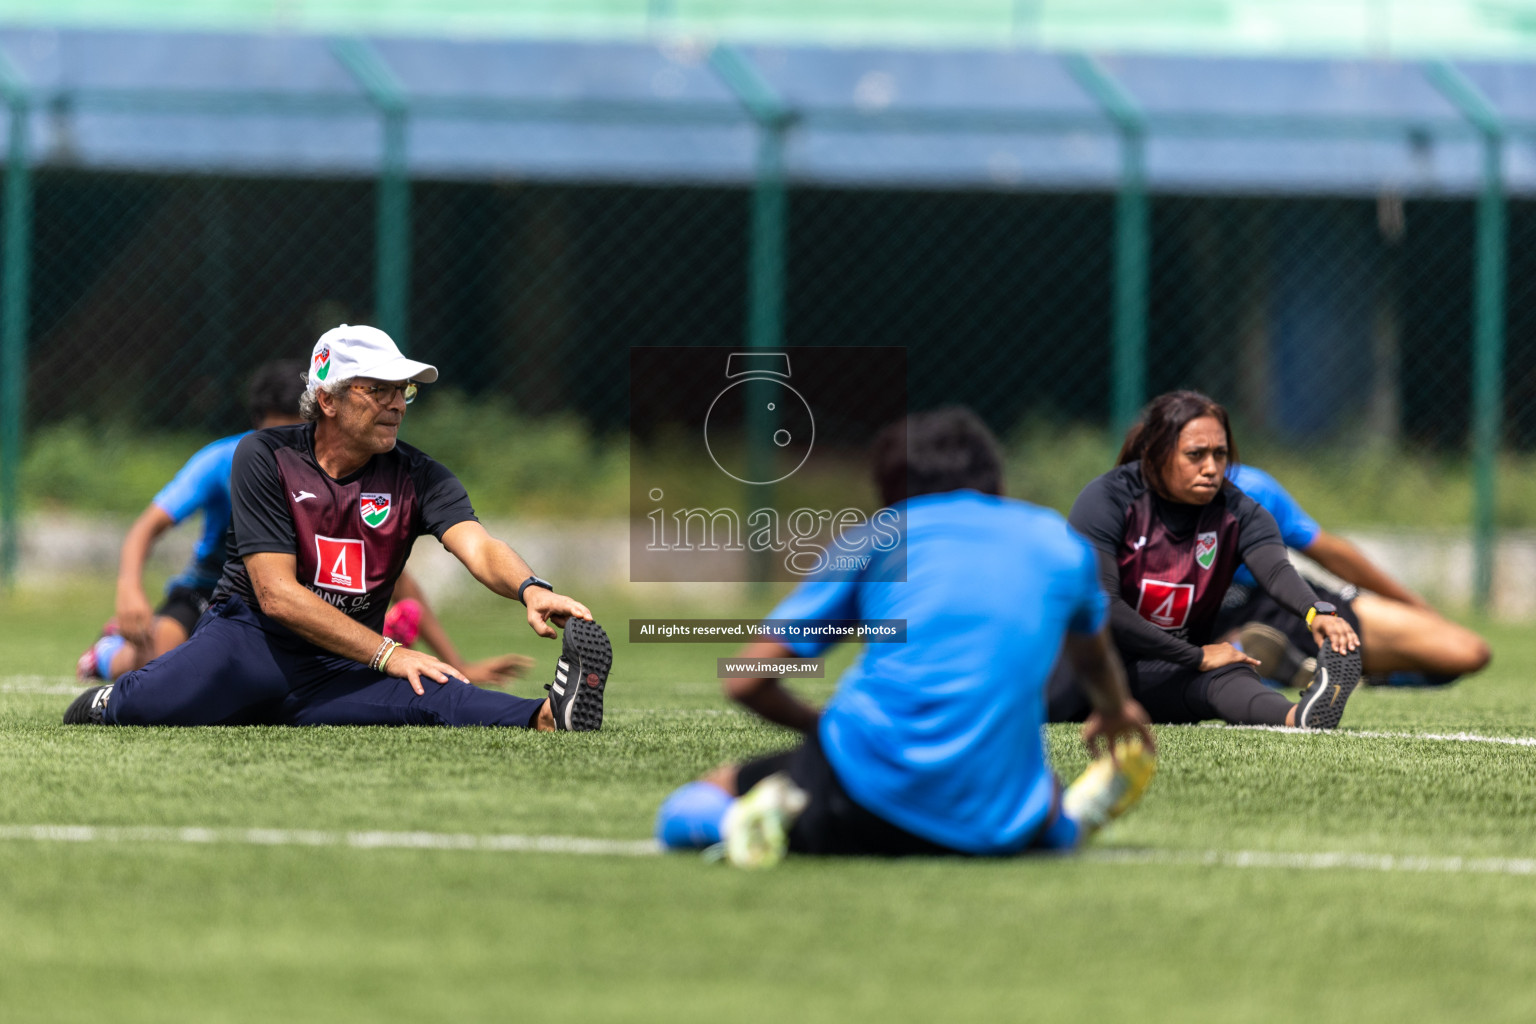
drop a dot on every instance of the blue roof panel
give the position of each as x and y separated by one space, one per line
676 73
1269 88
1267 165
649 153
899 80
1081 160
881 117
1511 88
192 143
173 60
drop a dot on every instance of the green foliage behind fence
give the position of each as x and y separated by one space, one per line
555 468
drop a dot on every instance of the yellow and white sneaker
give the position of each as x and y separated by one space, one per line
1104 792
756 828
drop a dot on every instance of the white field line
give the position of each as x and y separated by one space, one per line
648 848
40 684
727 712
310 837
1317 861
1432 737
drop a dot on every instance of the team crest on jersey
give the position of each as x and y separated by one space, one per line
323 362
1205 549
375 509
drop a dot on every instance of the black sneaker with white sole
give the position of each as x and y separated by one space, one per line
581 674
1322 704
90 707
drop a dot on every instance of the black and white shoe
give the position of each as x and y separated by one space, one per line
1322 704
576 695
90 707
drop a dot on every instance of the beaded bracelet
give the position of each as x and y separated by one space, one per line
380 655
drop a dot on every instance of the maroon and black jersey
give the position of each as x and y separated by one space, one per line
1167 566
1172 583
351 536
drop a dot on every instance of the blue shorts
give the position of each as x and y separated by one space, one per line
241 668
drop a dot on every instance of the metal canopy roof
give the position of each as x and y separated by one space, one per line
1502 29
662 112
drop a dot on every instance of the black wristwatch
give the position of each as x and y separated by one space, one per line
1320 608
534 581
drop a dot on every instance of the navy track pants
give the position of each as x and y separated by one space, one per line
240 668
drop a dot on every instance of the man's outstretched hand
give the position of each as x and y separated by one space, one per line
497 671
545 606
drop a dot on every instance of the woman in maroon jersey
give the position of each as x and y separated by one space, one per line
1170 530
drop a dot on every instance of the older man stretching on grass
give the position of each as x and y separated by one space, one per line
323 516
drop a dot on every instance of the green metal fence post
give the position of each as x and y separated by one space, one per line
765 319
1133 239
1488 318
765 266
392 253
14 303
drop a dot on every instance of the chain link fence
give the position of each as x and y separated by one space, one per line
1341 329
153 298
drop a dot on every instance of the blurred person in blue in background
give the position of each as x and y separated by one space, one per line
137 633
933 746
1404 641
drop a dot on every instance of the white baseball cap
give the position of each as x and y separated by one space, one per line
348 351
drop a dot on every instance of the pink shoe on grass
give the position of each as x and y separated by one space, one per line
86 667
402 623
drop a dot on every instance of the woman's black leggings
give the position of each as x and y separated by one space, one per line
1177 694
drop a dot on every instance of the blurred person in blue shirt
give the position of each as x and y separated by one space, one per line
933 745
138 633
1404 641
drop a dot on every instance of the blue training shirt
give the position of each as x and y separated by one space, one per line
203 483
1297 529
941 735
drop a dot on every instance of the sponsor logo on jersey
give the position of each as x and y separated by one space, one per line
1205 549
375 509
323 362
1165 605
302 496
341 564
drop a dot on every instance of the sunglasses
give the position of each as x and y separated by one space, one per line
385 393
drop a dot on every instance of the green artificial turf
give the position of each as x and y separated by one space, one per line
158 930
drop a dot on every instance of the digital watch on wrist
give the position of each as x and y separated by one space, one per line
1320 608
534 581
